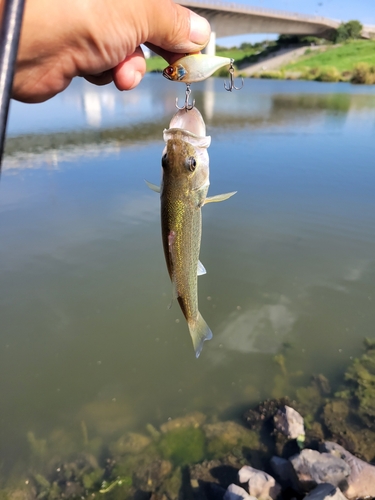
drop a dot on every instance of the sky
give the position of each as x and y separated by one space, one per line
340 10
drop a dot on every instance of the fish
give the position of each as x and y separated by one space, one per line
183 192
195 67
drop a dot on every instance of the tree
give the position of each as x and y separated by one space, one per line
354 29
348 31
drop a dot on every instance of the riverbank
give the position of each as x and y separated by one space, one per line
352 61
199 456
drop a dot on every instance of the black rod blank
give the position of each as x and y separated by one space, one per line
9 38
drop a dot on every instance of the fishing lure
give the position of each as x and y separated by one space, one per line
198 67
195 67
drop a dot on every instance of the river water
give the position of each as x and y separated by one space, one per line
85 330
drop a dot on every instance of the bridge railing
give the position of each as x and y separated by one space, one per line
258 10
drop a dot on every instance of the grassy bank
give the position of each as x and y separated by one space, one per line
352 61
344 57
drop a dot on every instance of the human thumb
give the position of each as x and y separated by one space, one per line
177 29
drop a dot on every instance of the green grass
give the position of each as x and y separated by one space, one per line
156 63
343 58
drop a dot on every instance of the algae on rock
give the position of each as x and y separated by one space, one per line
229 437
183 445
361 378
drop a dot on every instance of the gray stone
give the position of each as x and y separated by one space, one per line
284 473
131 442
235 492
290 423
313 468
325 491
361 482
194 419
261 484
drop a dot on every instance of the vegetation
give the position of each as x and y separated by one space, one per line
183 446
343 57
363 73
299 40
348 31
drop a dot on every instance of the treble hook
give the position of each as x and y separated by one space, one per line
187 105
232 85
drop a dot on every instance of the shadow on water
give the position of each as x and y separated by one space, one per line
87 341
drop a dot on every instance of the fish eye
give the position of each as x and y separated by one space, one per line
192 163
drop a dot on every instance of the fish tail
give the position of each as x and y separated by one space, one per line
199 331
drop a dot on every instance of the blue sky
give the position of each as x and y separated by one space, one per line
341 10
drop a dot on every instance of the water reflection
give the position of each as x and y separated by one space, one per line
107 119
262 328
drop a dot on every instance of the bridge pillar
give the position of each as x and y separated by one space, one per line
210 49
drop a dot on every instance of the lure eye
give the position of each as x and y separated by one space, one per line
192 163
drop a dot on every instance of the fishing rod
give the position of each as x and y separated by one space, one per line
9 38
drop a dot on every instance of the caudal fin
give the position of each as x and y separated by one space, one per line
199 331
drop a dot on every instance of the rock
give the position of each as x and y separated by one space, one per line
130 443
194 419
322 383
24 492
183 445
313 468
172 485
263 414
290 423
261 484
150 476
210 479
223 472
235 492
284 472
361 482
325 491
260 420
73 489
225 437
341 419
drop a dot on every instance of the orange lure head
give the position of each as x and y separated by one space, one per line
174 72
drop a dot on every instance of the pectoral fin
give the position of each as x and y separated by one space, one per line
201 269
219 197
153 187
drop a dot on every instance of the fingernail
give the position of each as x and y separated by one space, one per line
137 78
200 29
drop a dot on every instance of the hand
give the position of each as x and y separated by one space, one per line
100 40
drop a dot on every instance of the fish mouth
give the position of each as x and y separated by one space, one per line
189 120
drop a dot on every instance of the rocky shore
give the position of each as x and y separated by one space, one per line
317 445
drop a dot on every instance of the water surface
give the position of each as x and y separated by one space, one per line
86 333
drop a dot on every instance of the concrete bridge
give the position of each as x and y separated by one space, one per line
228 19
